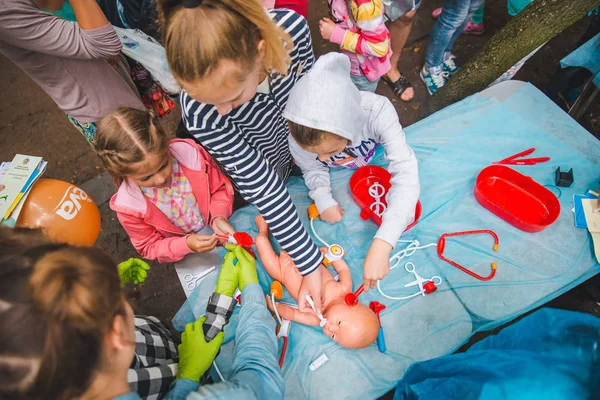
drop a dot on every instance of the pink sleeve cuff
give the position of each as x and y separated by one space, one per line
219 210
337 36
179 248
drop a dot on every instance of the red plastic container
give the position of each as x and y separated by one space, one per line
516 198
361 181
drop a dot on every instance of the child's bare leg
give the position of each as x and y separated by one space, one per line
280 268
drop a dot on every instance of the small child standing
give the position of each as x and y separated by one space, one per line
358 28
168 190
439 60
335 125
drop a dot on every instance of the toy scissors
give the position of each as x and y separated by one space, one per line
425 286
194 280
512 160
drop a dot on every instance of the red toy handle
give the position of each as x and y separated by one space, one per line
442 244
351 299
283 350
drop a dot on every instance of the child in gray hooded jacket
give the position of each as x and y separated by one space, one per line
333 124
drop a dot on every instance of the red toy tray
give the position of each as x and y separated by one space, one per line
361 181
516 198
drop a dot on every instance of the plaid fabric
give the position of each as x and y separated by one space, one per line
154 366
177 202
218 312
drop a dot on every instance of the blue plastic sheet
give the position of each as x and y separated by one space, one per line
587 56
452 147
550 354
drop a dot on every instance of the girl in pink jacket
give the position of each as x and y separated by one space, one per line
168 190
358 28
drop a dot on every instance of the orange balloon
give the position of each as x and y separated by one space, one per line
65 212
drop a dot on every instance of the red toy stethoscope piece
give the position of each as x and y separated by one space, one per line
241 238
351 299
283 350
442 243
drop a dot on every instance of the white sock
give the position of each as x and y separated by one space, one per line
433 70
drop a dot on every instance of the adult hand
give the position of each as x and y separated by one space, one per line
195 354
133 270
377 263
246 265
201 243
311 286
222 227
326 27
228 277
332 214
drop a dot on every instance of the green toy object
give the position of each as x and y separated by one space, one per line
133 270
195 353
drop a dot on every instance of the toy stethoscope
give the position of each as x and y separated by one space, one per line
284 324
336 252
426 286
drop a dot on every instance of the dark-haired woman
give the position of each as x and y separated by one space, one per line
68 332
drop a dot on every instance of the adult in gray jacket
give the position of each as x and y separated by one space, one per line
76 63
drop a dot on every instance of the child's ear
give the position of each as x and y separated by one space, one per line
118 335
261 47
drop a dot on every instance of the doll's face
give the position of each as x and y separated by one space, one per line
352 327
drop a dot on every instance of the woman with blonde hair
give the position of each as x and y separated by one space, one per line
236 64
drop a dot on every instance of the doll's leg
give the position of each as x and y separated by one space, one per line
267 255
280 268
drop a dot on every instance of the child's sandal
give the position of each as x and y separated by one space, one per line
399 86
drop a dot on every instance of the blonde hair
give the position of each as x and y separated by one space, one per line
126 137
57 302
197 38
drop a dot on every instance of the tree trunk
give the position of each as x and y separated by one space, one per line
539 22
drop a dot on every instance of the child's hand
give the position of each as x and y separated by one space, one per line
377 263
333 214
326 27
201 243
311 286
222 227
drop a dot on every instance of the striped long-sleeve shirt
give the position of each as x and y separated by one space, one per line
251 143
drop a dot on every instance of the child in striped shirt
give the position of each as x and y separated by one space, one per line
234 90
358 28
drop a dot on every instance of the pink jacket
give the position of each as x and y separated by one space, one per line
152 234
362 36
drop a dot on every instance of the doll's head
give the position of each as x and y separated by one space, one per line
353 327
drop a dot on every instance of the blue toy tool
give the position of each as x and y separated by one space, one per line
377 307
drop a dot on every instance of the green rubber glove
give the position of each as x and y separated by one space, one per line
228 277
133 270
195 354
246 264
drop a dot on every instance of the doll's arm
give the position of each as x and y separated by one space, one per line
292 314
343 271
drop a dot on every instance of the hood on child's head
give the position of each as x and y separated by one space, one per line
326 99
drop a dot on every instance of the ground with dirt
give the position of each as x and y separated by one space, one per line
30 123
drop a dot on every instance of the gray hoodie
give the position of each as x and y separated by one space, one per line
326 99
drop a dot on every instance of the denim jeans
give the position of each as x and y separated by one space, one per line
363 84
455 15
